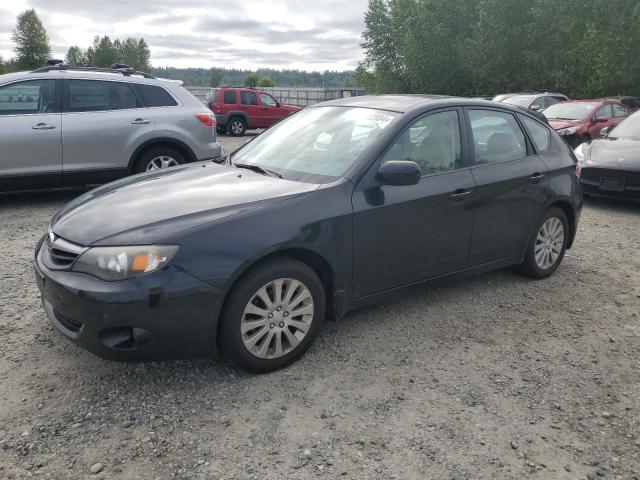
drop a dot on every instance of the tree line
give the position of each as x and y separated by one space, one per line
583 48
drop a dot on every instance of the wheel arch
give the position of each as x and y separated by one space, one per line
568 210
161 142
311 259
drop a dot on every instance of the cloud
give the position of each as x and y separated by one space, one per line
248 34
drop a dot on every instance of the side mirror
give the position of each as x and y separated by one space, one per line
536 108
400 173
605 131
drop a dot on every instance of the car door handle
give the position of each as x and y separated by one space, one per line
43 126
459 195
141 121
536 177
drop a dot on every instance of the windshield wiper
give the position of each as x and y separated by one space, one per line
258 169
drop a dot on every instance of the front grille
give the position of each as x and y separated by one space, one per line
68 323
595 174
59 253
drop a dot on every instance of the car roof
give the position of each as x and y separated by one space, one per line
80 74
408 103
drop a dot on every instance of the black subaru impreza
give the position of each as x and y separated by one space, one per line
332 208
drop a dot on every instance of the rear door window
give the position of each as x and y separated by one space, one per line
153 96
248 98
497 137
97 95
230 97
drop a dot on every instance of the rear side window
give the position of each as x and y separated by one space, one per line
34 96
248 98
619 111
96 96
154 96
230 97
539 134
497 137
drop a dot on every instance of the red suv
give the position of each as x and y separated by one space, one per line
580 121
238 109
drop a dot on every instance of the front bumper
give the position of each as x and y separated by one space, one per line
164 315
611 183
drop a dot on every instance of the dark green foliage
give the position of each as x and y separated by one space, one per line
584 48
251 80
32 42
266 82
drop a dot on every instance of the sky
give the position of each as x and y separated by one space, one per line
249 34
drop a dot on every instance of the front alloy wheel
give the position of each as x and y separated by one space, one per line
272 315
277 318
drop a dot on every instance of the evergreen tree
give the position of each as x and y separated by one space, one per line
75 56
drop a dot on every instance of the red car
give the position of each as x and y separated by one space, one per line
580 121
238 109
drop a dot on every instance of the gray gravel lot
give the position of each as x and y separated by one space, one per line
491 377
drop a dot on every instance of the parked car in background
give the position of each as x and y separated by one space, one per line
632 103
580 121
238 109
534 101
63 125
611 165
330 209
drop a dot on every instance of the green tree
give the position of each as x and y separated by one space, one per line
251 80
266 82
75 56
216 77
144 56
1 65
31 39
103 53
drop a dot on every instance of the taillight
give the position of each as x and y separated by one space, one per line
207 119
578 169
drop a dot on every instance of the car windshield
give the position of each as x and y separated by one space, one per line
316 145
570 111
520 100
629 128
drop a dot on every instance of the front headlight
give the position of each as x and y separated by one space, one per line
119 263
567 131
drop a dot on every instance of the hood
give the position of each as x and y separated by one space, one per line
560 124
290 108
147 208
619 153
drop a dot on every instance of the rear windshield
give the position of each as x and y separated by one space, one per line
520 100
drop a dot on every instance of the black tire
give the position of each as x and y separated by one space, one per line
243 291
221 129
236 126
146 157
530 266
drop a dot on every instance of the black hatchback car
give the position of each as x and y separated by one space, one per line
331 208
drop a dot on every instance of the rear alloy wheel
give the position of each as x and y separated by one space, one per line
272 315
237 127
548 246
159 158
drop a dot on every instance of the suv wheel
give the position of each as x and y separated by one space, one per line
237 126
546 250
158 158
272 315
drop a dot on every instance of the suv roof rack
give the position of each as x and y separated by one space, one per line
120 68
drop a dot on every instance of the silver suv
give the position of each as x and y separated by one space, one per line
62 125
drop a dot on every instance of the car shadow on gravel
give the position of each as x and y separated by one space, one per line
617 205
33 198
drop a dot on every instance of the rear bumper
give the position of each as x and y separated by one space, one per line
168 314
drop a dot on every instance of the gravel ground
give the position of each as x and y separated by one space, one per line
491 377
